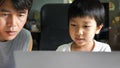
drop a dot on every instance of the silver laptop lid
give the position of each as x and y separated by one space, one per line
52 59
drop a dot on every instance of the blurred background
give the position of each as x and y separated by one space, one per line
110 34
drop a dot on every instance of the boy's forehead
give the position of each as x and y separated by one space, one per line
85 19
90 17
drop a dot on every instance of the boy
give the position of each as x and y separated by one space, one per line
13 37
86 19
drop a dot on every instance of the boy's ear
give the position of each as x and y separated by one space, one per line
99 28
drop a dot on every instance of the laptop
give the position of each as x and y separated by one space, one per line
52 59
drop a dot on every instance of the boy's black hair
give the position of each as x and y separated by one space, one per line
20 4
92 8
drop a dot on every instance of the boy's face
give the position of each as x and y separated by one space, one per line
11 21
83 29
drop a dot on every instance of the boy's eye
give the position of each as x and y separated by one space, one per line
86 26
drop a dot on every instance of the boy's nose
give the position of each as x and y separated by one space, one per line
79 31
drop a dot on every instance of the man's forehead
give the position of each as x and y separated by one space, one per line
13 11
8 7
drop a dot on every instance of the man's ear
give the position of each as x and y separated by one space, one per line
99 28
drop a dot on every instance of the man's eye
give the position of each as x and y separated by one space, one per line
5 14
73 24
21 15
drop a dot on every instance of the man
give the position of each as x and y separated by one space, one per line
13 37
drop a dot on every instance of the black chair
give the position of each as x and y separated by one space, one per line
104 34
54 26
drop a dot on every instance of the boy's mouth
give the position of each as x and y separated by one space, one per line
79 39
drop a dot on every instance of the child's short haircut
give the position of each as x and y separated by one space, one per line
92 8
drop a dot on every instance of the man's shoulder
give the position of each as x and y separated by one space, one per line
25 30
24 33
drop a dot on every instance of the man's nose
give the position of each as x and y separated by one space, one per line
11 21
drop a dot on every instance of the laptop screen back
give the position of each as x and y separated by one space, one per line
52 59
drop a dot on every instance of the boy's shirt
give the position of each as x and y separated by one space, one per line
99 47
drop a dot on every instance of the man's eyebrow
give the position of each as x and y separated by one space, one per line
22 11
4 10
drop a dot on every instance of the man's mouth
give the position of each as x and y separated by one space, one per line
11 33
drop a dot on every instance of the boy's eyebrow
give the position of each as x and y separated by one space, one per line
4 10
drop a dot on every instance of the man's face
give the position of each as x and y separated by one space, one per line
11 21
